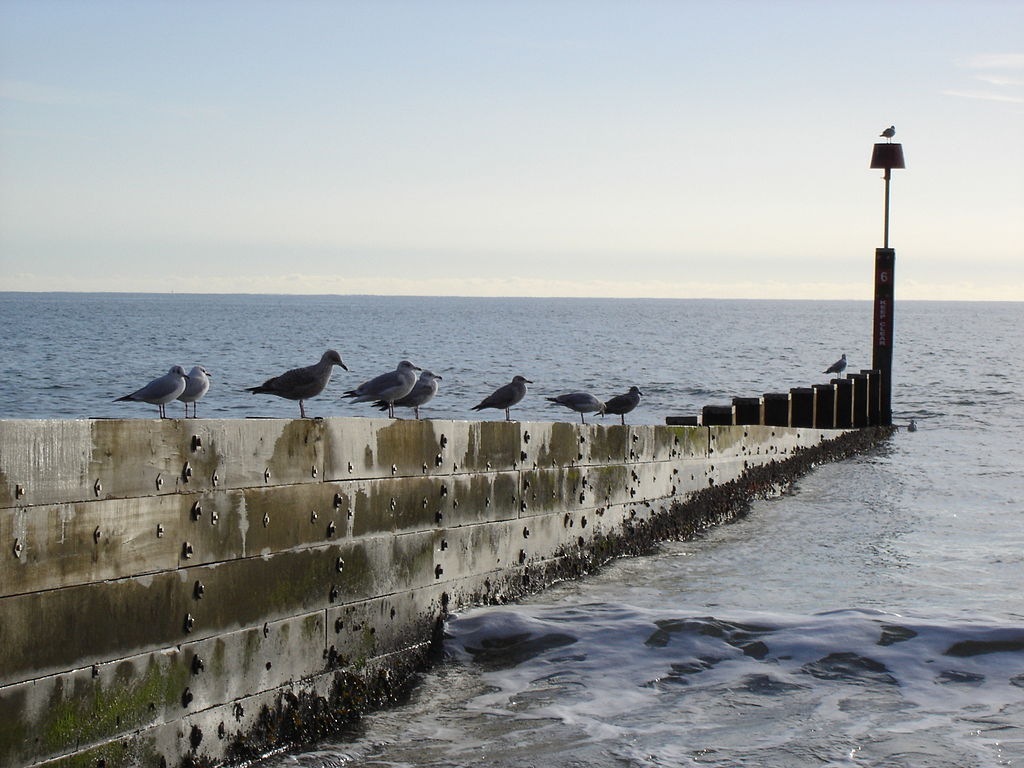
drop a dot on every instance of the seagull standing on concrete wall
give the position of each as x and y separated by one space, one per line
198 384
301 383
505 396
581 402
838 366
623 404
422 393
160 391
388 387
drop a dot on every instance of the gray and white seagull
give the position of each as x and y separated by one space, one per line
504 397
160 391
301 383
888 133
196 387
422 393
581 402
623 404
388 387
838 366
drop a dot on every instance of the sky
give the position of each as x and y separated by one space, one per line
476 147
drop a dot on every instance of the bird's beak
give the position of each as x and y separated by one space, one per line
439 378
528 381
344 366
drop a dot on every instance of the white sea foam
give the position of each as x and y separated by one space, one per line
752 683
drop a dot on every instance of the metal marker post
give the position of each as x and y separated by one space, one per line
887 156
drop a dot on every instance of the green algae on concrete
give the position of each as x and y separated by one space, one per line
82 709
490 446
133 752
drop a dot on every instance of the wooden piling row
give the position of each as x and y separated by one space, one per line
851 402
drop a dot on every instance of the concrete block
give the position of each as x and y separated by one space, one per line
53 461
551 444
58 714
402 505
667 443
376 448
370 448
360 632
57 545
140 458
485 446
236 665
44 461
478 549
102 621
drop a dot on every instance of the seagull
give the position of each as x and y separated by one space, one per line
160 391
198 384
581 402
505 396
912 426
388 387
301 383
838 366
623 404
889 132
422 393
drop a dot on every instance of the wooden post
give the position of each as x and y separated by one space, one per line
874 395
682 421
825 407
859 397
776 409
748 410
885 265
802 399
716 415
844 403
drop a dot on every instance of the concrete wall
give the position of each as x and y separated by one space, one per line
185 592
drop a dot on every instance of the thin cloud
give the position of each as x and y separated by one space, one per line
1006 87
997 80
995 61
985 95
39 93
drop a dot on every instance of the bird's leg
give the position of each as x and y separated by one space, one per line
582 420
417 409
507 416
302 410
623 419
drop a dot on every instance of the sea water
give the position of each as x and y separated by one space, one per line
871 616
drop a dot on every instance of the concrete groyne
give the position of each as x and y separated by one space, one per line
194 592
